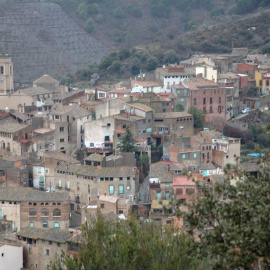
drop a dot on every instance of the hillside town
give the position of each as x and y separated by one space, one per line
68 153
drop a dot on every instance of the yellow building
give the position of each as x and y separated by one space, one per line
262 79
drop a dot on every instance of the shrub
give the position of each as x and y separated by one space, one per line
90 25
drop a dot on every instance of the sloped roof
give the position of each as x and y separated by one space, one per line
172 115
50 234
75 110
45 79
33 91
12 127
85 170
24 194
61 156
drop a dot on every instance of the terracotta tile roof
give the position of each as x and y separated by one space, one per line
33 91
12 127
161 171
50 234
24 194
66 95
19 115
75 110
198 83
111 199
45 79
58 155
207 166
85 170
140 106
183 181
95 157
147 83
43 130
179 86
169 115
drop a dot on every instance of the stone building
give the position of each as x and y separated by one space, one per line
27 207
67 121
208 97
173 124
46 81
14 171
6 75
86 183
12 135
41 246
51 159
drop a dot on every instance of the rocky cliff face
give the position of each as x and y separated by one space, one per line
42 39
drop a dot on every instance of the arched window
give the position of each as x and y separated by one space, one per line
32 212
44 212
203 148
56 212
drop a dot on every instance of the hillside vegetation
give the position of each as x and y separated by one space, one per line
139 34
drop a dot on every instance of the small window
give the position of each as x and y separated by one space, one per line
121 189
184 156
31 224
120 178
39 169
47 252
62 129
56 212
44 212
59 244
111 189
56 225
108 124
45 224
32 212
195 155
62 140
50 242
102 205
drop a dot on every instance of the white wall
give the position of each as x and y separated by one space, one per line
11 257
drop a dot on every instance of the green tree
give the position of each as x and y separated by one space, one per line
135 66
128 143
152 63
82 11
171 57
129 40
119 13
179 107
90 25
115 66
114 245
198 117
93 8
232 222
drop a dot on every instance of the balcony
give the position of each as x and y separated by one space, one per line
154 185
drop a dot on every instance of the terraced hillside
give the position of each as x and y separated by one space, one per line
42 39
